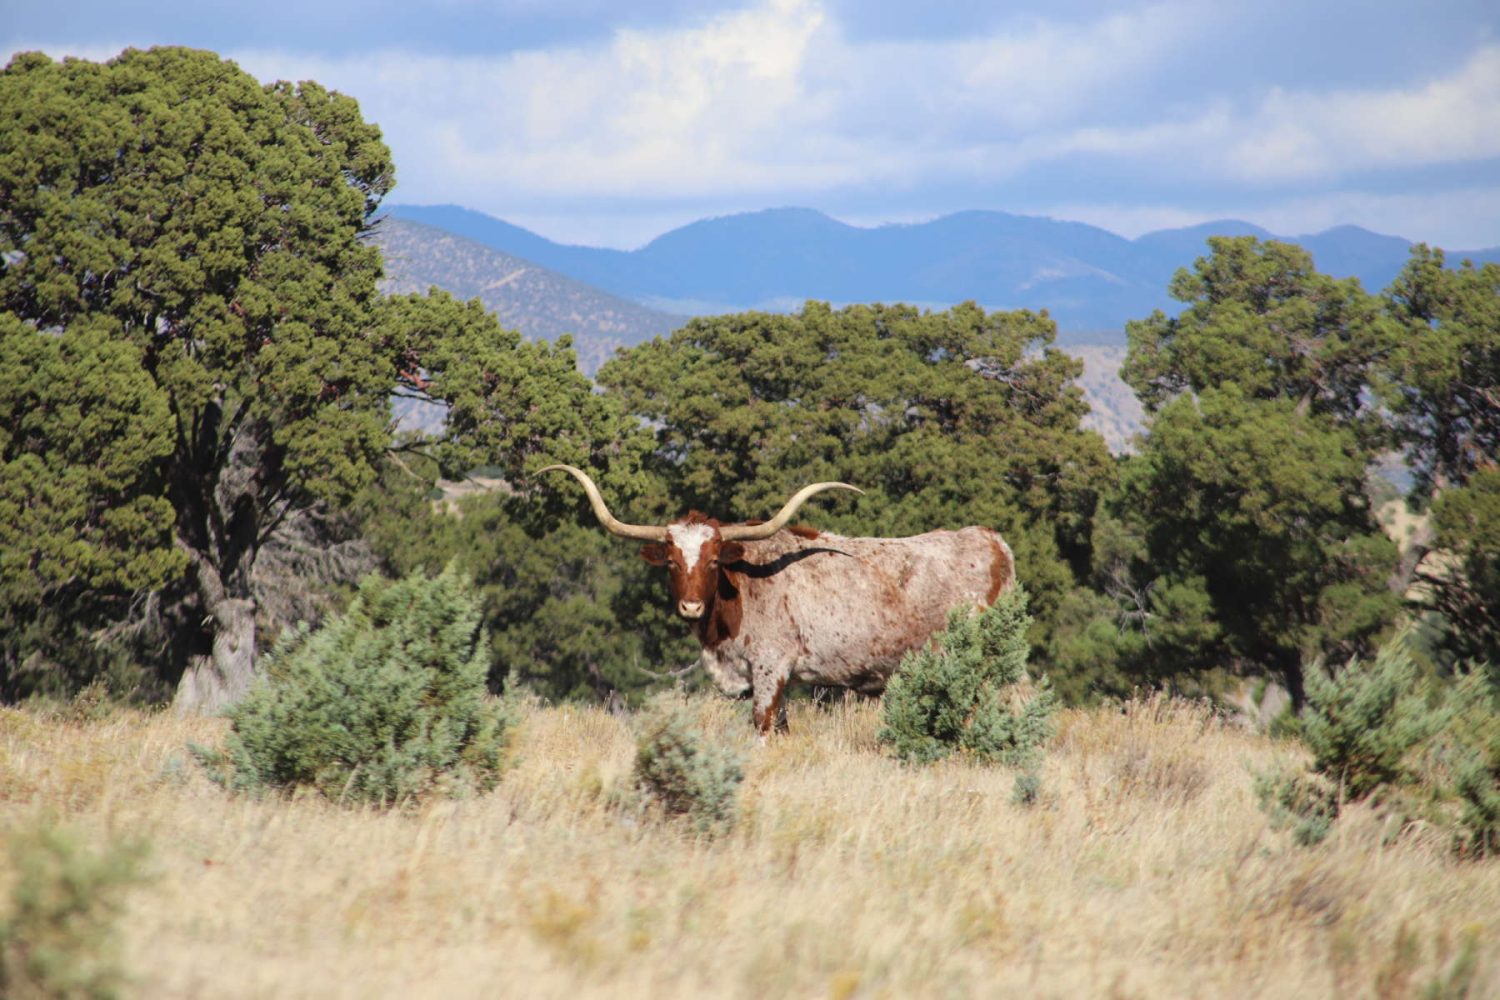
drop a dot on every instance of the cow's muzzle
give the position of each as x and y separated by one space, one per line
690 609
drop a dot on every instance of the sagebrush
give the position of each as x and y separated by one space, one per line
681 772
381 704
961 696
1382 731
60 937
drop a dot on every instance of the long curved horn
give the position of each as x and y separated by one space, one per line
755 532
642 532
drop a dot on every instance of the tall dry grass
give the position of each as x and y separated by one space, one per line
1145 869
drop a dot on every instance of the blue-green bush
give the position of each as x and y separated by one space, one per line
679 771
959 696
1418 748
382 704
59 938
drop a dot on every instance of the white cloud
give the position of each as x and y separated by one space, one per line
1298 136
1456 118
677 112
775 104
753 101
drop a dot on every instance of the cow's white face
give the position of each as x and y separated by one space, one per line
693 554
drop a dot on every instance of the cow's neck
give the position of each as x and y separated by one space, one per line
726 608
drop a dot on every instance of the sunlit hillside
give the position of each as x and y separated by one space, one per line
1144 870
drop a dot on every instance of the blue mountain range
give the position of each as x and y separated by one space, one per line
1090 280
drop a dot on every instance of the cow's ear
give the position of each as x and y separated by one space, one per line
656 555
731 552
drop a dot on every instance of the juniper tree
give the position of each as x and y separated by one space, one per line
1248 496
384 702
1442 384
184 247
957 696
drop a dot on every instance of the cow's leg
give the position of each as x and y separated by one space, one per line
769 705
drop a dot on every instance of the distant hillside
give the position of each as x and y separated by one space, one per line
1091 280
540 303
1115 412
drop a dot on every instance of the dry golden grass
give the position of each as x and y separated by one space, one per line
1144 870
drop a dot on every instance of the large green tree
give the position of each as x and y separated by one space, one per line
210 226
1260 315
203 236
1248 496
1442 384
943 418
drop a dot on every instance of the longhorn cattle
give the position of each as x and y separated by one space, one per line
773 604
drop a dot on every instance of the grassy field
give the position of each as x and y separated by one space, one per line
1145 870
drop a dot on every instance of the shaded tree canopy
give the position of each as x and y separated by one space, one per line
1442 384
1261 316
202 235
1248 498
209 227
1442 380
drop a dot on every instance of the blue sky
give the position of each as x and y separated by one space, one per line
609 123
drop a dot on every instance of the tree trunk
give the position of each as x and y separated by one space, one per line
1296 689
214 682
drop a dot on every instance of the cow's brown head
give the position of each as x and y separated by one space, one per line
694 548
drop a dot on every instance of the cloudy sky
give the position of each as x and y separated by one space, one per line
608 122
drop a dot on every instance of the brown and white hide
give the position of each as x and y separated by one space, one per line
833 611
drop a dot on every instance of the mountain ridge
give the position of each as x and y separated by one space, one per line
1089 279
539 302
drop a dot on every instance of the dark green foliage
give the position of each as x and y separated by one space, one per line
1463 585
681 773
570 611
82 521
1363 725
1261 316
1441 383
1442 376
513 405
81 432
382 703
171 222
59 938
1119 635
944 419
196 360
1257 547
959 698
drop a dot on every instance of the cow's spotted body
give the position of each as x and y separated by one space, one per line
773 604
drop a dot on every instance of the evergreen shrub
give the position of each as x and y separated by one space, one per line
59 938
1419 749
678 771
382 704
961 696
1363 722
